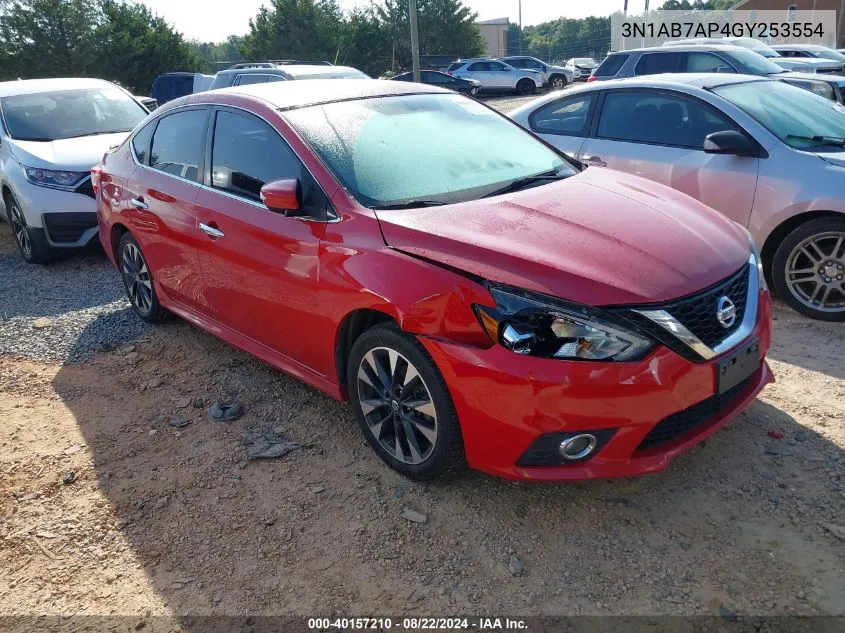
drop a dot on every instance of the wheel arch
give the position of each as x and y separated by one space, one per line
353 325
779 233
116 234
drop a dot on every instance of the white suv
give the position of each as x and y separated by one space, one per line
52 131
497 75
555 77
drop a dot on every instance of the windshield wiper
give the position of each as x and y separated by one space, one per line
521 183
837 141
411 204
96 133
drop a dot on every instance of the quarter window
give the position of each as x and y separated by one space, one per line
141 142
657 63
178 143
659 119
247 154
568 117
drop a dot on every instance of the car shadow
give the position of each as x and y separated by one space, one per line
321 531
797 340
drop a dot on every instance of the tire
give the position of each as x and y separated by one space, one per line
557 82
808 269
525 87
32 243
429 446
138 281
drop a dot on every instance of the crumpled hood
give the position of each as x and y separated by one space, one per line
599 238
72 154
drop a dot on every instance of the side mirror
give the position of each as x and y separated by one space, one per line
283 196
730 142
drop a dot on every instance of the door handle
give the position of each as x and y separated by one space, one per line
594 161
211 231
139 204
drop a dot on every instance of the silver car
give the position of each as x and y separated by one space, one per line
768 155
555 77
497 75
802 64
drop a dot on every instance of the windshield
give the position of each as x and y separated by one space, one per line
826 53
756 63
792 114
755 45
584 61
49 116
433 147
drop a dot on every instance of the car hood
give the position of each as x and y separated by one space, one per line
599 238
72 154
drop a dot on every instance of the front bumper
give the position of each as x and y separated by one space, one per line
506 401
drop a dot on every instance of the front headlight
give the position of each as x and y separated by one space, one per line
57 179
532 324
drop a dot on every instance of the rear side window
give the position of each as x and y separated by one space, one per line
250 78
567 117
659 119
141 142
479 66
611 65
656 63
247 154
178 144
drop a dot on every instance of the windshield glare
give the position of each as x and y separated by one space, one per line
756 63
826 53
788 112
49 116
433 147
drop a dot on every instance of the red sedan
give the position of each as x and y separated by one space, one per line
475 295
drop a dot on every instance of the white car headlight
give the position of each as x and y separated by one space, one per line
56 179
531 324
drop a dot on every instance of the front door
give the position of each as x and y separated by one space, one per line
260 268
659 135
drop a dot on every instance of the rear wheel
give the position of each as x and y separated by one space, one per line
808 269
403 405
138 281
525 87
557 82
32 242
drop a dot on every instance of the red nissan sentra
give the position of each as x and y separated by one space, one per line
476 296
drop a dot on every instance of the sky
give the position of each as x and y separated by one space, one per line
214 20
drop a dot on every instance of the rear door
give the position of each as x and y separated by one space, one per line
160 206
565 123
659 135
260 268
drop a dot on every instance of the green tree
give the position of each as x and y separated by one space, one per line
134 46
294 29
364 43
446 27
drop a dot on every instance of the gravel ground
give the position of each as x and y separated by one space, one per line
65 311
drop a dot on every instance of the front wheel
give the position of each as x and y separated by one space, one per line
32 242
525 87
403 405
808 270
558 82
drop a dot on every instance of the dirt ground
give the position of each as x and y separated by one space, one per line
158 520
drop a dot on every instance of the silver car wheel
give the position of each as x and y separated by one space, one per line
558 83
19 230
397 405
815 272
136 276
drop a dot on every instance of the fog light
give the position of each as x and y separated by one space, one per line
577 446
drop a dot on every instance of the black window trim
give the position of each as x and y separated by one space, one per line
156 122
330 214
591 112
674 93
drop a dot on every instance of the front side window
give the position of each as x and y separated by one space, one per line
797 117
707 63
479 67
754 62
247 153
433 147
659 119
250 78
499 67
178 144
518 63
50 116
568 117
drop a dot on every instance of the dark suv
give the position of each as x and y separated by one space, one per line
714 58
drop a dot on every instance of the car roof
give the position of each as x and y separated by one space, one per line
312 70
286 95
34 86
253 70
793 47
682 48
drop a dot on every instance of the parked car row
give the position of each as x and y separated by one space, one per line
478 297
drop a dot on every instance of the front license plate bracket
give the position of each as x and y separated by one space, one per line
733 369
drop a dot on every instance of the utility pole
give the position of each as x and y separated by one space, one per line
520 26
415 39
